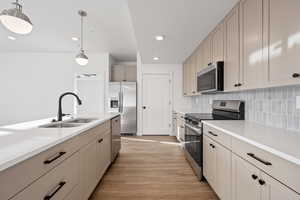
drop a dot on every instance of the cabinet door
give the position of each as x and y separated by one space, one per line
207 51
218 44
185 78
254 70
118 73
192 78
284 42
130 73
209 161
232 50
223 172
244 186
274 190
88 169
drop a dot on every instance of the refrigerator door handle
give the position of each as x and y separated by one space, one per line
120 102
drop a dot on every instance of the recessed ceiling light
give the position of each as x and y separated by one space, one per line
160 37
11 37
75 38
155 58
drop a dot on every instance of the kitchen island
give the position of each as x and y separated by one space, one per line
64 162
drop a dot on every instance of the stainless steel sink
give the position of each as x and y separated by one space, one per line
60 125
82 120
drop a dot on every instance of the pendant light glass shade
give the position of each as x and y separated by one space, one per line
15 20
81 58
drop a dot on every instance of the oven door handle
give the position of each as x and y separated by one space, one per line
197 130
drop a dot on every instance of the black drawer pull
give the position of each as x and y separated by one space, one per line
235 85
58 187
296 75
239 85
55 158
213 134
252 155
213 146
101 140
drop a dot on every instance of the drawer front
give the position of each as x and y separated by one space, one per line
217 135
282 170
28 171
90 135
56 184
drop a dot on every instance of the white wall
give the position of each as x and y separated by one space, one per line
30 83
179 101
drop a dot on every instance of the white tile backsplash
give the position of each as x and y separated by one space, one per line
274 107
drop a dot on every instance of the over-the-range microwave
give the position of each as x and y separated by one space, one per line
211 78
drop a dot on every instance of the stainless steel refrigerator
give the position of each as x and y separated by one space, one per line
123 99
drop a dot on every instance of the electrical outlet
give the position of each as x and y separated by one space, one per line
298 102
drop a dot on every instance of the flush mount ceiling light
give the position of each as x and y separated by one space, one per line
160 37
81 58
155 58
15 20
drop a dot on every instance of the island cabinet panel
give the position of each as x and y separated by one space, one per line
56 184
254 70
30 170
284 42
232 51
103 154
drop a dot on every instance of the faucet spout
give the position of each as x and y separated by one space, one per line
60 113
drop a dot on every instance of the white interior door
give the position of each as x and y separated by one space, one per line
157 105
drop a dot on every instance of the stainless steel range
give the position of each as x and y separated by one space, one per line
193 145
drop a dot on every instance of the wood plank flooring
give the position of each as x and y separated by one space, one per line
151 168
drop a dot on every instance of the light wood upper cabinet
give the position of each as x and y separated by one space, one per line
218 44
232 50
193 71
185 78
254 70
284 42
207 51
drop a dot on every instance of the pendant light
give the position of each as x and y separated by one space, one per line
15 20
81 58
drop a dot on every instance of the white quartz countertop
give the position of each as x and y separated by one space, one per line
22 141
280 142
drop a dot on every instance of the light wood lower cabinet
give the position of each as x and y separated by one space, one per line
250 183
233 176
217 167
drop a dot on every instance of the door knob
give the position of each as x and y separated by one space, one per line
144 107
296 75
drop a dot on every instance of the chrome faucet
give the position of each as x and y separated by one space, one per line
60 114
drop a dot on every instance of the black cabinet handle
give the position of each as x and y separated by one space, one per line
58 187
296 75
252 155
239 85
209 64
254 176
213 134
144 107
213 146
101 140
261 182
235 85
60 154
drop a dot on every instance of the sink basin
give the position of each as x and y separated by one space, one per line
60 125
82 120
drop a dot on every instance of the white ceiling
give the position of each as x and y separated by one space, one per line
184 22
108 27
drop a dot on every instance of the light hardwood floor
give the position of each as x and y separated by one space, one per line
151 168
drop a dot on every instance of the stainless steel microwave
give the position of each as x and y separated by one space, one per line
211 79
